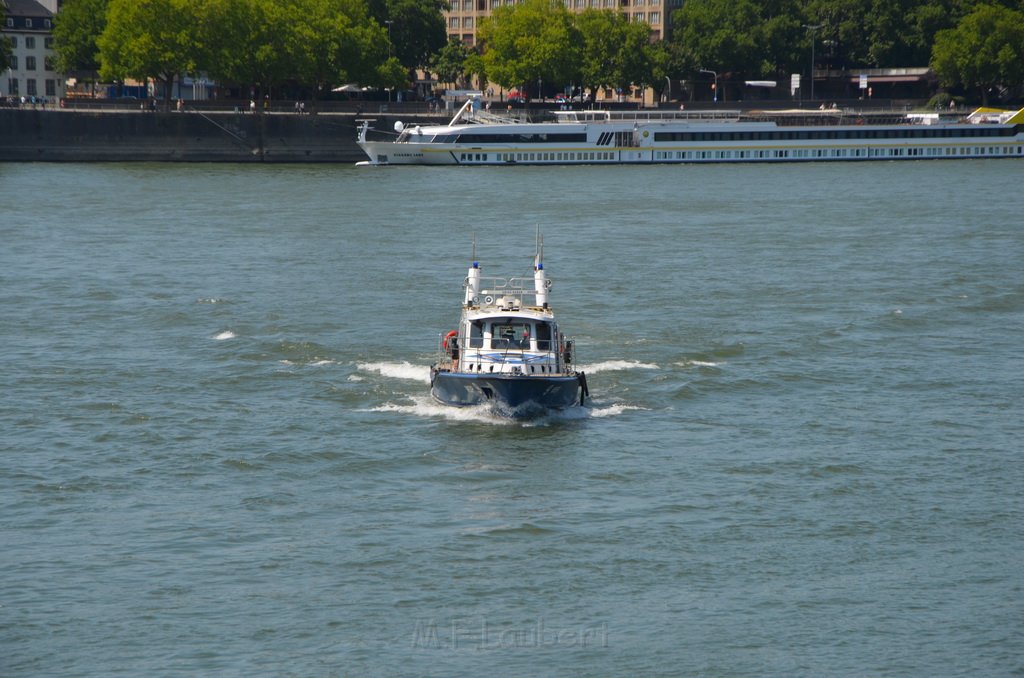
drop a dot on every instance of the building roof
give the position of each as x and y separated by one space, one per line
29 8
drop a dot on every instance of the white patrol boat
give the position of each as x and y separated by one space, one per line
507 350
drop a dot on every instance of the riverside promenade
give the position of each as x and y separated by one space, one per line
54 134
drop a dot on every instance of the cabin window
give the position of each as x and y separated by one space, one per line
476 334
510 334
543 331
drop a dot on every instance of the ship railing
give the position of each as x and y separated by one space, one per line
493 289
453 357
647 116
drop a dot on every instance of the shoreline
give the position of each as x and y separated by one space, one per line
62 135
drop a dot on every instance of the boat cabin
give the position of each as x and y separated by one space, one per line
518 333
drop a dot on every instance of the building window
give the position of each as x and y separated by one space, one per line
30 43
467 22
48 43
48 64
28 23
10 22
47 23
30 87
655 17
30 63
12 86
14 42
453 22
14 62
51 87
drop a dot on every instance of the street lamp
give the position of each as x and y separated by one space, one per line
715 88
812 28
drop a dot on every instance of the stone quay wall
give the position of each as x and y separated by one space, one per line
57 135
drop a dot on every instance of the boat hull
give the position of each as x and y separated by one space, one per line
510 394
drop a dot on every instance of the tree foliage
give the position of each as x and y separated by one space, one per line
149 39
76 32
449 64
5 45
528 42
254 43
741 37
984 50
335 41
248 42
5 51
605 40
317 43
417 30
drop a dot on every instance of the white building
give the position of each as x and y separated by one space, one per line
29 26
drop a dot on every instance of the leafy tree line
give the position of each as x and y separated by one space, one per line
260 44
537 43
970 44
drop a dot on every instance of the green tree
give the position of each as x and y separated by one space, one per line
743 39
248 42
149 39
417 30
600 47
983 52
76 31
722 36
450 62
5 44
531 41
5 49
336 41
634 63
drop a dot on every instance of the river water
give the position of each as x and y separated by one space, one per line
802 453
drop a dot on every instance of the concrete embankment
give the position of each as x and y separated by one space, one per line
86 136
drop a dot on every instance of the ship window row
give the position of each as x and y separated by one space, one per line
552 156
480 138
842 153
798 135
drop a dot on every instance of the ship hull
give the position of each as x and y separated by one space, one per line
510 394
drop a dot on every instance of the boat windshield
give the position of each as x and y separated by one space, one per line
510 334
513 333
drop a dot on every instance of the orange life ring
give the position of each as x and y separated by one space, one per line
447 337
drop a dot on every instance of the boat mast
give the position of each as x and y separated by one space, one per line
473 279
540 284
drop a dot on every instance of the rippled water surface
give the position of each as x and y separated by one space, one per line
802 454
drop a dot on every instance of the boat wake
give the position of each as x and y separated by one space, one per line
617 366
425 406
314 362
402 370
697 363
